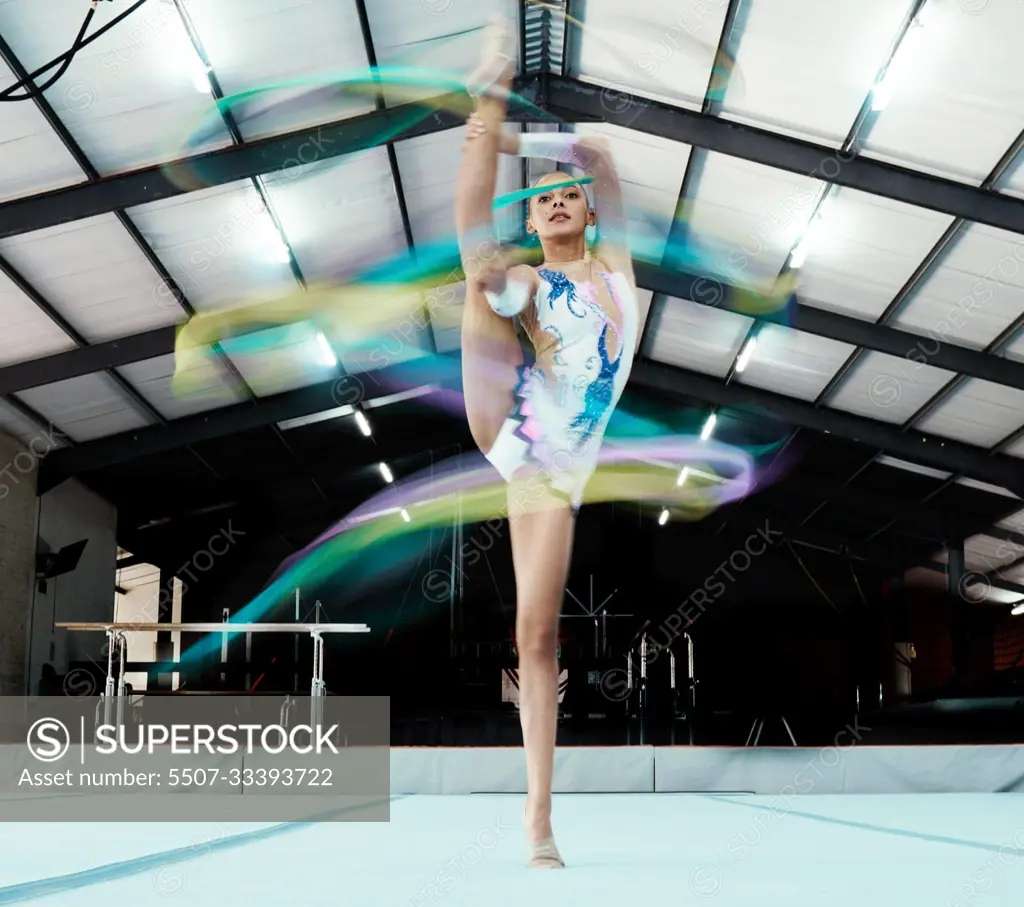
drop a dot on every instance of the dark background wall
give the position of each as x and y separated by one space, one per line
776 630
70 513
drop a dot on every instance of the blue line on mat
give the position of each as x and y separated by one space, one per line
112 872
899 832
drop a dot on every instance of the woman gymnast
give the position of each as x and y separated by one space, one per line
541 423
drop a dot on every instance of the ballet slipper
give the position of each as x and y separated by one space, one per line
496 61
544 855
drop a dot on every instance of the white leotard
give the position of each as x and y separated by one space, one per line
560 413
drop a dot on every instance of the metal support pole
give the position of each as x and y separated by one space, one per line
643 684
225 615
122 652
451 586
758 726
785 724
298 617
673 693
109 686
318 688
462 573
691 674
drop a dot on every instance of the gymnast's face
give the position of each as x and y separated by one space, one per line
559 212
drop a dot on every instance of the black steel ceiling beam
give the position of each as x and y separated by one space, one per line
728 44
936 255
989 581
9 396
575 99
929 450
87 359
940 453
951 480
989 530
927 528
578 100
901 345
897 555
396 174
1010 536
268 411
92 174
231 125
175 292
999 570
728 47
140 403
934 523
852 145
256 158
753 518
380 104
1005 585
260 519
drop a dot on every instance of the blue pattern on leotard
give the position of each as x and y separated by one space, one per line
598 396
561 286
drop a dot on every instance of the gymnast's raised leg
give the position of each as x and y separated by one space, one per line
491 352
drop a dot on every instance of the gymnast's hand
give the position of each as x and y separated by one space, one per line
508 142
594 151
487 270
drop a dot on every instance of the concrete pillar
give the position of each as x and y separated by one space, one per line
959 618
18 529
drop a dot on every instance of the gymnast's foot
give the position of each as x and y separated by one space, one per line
493 74
543 853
